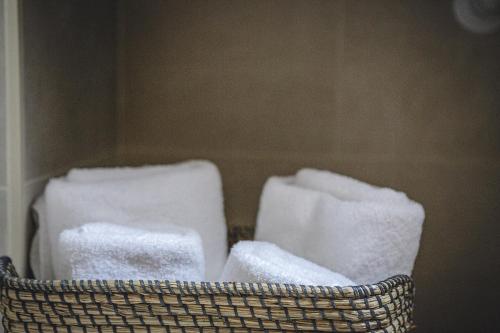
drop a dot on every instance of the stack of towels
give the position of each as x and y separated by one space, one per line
167 223
153 200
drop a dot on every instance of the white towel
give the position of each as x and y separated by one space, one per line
347 188
365 232
151 252
186 194
85 175
252 261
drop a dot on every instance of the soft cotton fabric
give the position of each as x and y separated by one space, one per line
186 194
252 261
85 175
149 252
364 232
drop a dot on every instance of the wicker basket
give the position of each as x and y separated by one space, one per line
162 306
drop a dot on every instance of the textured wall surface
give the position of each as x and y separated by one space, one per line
69 82
391 92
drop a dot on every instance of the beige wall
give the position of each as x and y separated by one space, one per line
69 79
391 92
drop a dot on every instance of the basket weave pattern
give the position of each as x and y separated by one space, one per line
118 306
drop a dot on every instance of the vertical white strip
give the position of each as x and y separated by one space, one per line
16 222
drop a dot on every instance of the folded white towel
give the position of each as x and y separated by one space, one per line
86 175
252 261
111 251
186 194
347 188
365 232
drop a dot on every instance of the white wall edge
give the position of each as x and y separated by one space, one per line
16 225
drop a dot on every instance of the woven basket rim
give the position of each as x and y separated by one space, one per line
9 278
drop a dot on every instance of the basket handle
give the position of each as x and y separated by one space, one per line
5 262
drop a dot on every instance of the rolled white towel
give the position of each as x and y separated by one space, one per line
252 261
365 232
111 251
186 194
